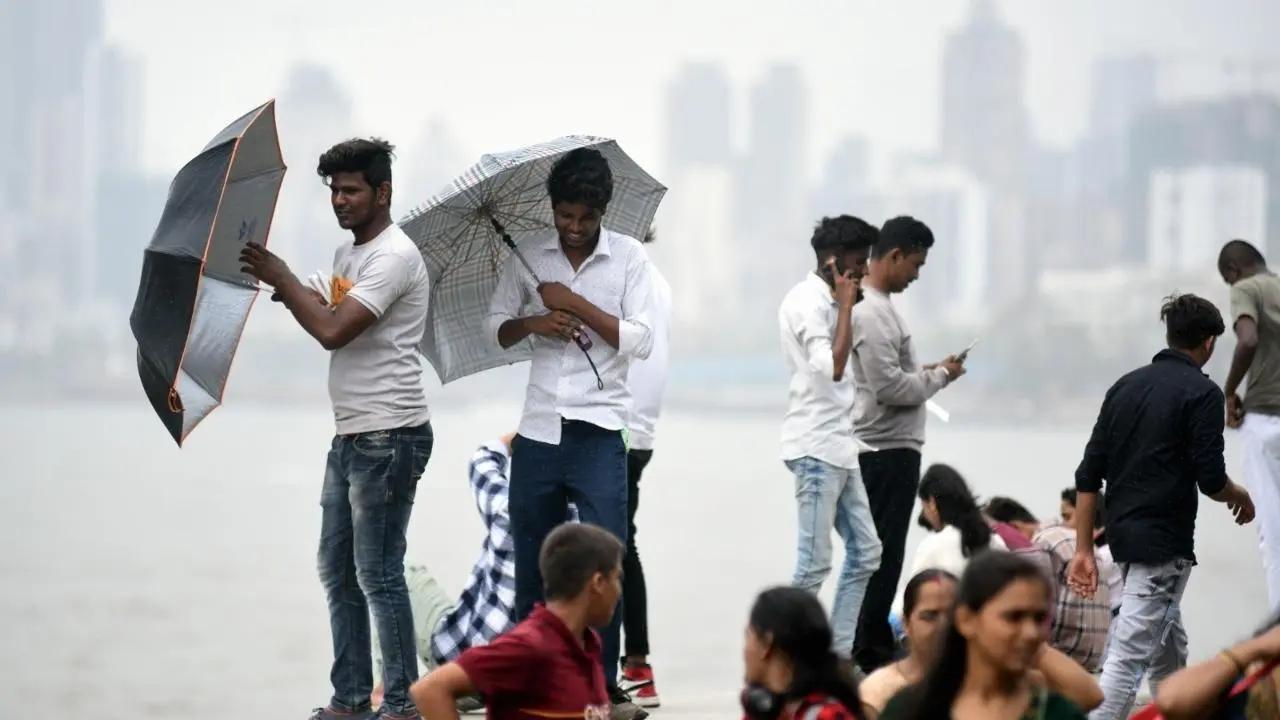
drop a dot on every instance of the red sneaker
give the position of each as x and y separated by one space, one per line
638 680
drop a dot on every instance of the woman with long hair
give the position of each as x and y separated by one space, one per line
960 528
791 671
986 666
926 602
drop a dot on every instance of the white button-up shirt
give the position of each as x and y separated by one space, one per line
648 378
614 278
819 420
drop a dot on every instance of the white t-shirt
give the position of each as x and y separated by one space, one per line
375 382
648 377
942 550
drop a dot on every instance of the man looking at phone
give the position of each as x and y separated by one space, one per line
889 416
818 444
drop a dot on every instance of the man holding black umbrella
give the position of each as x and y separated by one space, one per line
371 324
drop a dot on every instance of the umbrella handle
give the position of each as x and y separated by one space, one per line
506 239
175 401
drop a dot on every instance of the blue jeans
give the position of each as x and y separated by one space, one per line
1147 635
830 497
369 484
588 468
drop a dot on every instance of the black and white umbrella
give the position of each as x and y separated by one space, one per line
193 300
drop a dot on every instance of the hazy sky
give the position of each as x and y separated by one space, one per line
503 73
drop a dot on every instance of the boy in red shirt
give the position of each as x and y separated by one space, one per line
549 665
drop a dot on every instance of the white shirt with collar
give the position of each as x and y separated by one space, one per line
819 420
648 378
562 385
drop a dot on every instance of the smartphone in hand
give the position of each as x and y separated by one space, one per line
964 354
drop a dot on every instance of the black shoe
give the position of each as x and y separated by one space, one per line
328 713
385 714
469 704
623 707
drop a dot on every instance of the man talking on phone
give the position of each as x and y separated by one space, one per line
889 416
818 444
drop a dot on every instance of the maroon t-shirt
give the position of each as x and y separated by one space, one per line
1013 539
538 670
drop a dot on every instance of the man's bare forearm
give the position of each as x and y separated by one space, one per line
842 343
1241 361
1086 504
513 331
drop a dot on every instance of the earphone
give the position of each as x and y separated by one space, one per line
760 703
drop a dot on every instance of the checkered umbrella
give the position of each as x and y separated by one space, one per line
460 234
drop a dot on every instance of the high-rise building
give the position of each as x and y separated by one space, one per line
985 124
115 86
1124 87
126 202
845 185
1228 131
424 168
1195 210
956 281
695 248
986 130
313 113
697 117
771 226
50 158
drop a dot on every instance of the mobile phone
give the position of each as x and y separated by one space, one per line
832 268
965 353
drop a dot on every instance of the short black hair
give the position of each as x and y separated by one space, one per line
370 157
1190 320
1070 496
903 233
572 554
581 176
1241 253
843 233
1008 510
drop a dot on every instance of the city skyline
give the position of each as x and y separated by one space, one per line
751 153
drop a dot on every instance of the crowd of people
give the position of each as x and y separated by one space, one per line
1003 615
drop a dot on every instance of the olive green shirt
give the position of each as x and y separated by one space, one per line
1258 297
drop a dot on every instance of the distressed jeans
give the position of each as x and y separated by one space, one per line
829 498
369 486
1147 635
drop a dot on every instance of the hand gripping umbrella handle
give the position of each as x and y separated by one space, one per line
581 340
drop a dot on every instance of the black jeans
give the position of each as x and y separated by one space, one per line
892 478
635 609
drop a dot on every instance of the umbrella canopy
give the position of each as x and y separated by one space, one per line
454 230
193 300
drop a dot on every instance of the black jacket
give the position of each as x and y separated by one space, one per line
1158 437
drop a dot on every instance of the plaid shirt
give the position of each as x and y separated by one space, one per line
486 608
1080 624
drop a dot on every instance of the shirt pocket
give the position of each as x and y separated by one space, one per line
603 287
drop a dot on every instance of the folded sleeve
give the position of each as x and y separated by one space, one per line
635 329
